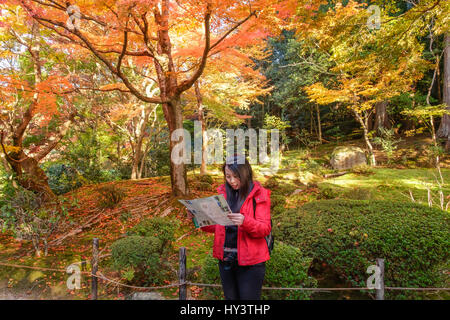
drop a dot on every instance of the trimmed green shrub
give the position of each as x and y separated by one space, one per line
286 268
277 200
349 235
326 193
210 274
162 228
275 211
284 189
138 260
272 183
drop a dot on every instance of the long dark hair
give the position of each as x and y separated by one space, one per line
241 170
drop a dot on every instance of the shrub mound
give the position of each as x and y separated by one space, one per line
349 235
286 268
162 228
138 259
142 256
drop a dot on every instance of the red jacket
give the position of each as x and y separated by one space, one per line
251 245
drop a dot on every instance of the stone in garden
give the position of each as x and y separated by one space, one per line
347 157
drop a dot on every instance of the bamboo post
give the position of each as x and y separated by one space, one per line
94 268
182 274
380 290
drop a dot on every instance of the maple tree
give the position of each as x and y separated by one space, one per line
36 106
147 36
371 69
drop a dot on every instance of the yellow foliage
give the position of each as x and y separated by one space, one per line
10 149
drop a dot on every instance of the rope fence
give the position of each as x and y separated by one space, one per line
183 284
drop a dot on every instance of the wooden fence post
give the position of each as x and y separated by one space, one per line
182 274
94 269
380 291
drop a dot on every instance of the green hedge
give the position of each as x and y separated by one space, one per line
349 235
138 259
286 268
142 256
162 228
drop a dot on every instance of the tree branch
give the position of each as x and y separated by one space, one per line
99 56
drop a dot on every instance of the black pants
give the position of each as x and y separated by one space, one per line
242 282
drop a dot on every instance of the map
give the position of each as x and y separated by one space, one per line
209 211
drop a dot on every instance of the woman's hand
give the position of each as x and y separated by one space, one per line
237 218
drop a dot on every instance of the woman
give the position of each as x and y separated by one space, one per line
241 249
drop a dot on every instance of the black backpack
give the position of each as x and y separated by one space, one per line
269 238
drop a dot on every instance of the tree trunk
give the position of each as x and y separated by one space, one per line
319 126
370 122
203 169
136 160
381 116
178 175
140 133
30 176
444 128
364 124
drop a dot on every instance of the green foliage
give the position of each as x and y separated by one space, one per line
125 216
138 259
274 122
327 193
201 186
277 200
210 274
276 210
62 178
110 196
350 234
284 189
358 194
363 169
306 139
158 159
206 178
142 256
312 166
84 155
290 66
272 183
435 151
387 142
25 214
287 267
161 227
334 132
